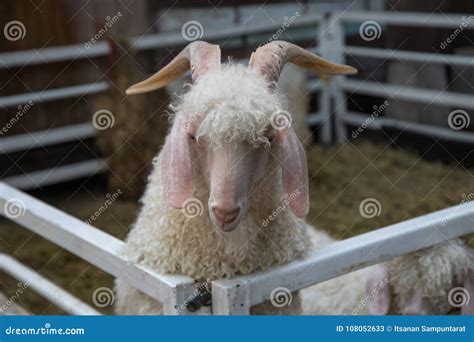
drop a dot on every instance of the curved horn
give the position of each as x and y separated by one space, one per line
270 59
198 56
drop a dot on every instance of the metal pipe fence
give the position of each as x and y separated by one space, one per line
229 296
333 114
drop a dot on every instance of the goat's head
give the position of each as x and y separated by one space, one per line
230 126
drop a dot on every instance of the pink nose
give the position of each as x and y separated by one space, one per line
226 215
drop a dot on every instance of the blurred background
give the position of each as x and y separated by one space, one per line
393 142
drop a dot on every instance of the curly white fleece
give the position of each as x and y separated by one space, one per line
231 105
435 270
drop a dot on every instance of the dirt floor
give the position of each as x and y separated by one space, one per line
341 178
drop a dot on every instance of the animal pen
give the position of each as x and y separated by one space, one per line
232 296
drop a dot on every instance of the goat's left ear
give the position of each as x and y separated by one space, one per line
468 309
294 171
176 170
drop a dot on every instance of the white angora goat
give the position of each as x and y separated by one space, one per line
231 152
233 157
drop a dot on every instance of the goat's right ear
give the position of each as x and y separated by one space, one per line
294 171
176 171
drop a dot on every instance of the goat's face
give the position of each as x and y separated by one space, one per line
231 140
233 172
234 136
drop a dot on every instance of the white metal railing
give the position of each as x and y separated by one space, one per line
230 296
54 94
335 38
79 131
331 46
235 296
94 246
44 287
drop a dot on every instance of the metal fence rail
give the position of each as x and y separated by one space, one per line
236 296
100 49
339 51
229 297
54 94
44 287
331 46
94 246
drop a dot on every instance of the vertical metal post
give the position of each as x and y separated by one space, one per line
173 301
325 136
332 48
325 94
177 298
230 299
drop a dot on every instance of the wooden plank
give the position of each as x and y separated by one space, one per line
348 255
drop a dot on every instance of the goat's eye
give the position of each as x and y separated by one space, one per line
192 137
